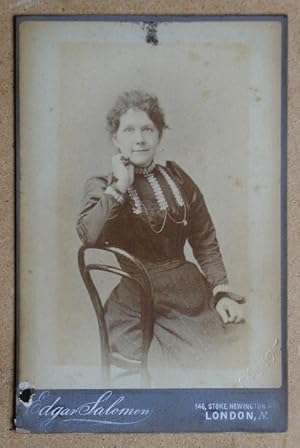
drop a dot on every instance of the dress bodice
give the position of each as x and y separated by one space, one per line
170 210
154 234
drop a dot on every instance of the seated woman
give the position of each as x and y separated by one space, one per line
151 211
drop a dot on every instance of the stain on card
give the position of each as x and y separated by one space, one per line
151 36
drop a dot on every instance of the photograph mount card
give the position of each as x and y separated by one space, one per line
151 209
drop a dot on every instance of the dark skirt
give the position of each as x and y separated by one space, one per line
187 331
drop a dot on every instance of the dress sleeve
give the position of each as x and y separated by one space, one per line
98 206
201 233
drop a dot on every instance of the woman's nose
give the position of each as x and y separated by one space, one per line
139 137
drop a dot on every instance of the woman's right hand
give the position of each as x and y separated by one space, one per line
124 173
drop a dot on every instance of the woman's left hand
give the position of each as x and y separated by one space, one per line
230 311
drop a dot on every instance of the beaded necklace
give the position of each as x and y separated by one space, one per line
145 170
137 204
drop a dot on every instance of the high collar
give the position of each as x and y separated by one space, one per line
145 170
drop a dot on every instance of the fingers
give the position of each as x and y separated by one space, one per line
121 158
239 320
229 314
222 312
125 160
232 318
236 318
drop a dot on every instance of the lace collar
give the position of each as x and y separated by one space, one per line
145 170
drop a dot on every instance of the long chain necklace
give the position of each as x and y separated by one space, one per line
137 206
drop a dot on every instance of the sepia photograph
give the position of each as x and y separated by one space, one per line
151 210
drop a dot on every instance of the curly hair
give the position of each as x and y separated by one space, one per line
136 99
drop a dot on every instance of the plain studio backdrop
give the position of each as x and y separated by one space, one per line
219 85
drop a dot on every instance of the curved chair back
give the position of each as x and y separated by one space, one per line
144 281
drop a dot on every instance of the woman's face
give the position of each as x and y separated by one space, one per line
137 137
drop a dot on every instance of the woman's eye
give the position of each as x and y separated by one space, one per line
148 129
129 129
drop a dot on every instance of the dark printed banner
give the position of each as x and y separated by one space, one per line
168 410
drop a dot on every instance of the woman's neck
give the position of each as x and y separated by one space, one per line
145 169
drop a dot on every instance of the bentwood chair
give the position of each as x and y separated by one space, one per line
108 358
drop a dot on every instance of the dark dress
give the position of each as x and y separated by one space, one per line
186 325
